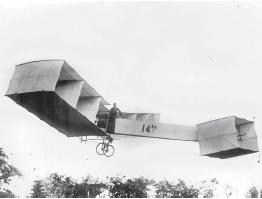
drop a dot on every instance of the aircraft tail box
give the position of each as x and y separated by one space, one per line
227 137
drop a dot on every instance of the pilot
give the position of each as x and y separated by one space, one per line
113 114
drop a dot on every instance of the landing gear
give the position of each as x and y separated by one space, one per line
100 149
105 148
109 151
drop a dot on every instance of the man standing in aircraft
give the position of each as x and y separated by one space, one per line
113 114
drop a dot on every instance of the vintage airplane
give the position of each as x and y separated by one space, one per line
58 95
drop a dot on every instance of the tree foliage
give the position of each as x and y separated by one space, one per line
164 188
6 170
228 190
208 188
120 187
7 194
180 190
89 187
59 186
56 185
38 190
252 193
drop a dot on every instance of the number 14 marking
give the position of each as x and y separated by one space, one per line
153 127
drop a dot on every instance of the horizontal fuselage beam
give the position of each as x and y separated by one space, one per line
155 130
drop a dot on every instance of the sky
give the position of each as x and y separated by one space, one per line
190 61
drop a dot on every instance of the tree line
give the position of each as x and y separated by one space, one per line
56 185
60 186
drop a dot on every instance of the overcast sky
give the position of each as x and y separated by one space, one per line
190 61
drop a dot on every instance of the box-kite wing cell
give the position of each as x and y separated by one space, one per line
58 95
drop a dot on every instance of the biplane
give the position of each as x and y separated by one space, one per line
54 92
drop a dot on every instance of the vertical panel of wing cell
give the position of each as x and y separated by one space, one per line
69 91
142 116
130 116
224 138
69 74
69 85
102 109
89 107
248 137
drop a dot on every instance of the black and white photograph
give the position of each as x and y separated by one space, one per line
130 99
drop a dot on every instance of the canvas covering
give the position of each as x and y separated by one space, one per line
56 80
155 130
230 134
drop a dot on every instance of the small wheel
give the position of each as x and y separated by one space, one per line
100 149
109 151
